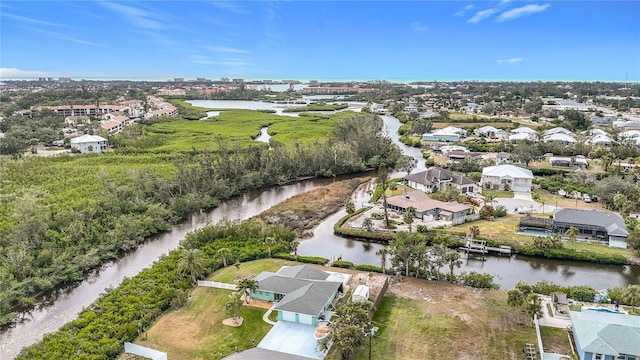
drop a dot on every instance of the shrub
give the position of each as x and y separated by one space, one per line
369 268
304 259
547 288
582 293
478 280
500 211
423 229
344 264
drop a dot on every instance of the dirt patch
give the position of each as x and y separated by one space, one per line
234 322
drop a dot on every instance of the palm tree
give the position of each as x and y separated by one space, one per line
631 296
409 216
237 265
383 258
383 176
368 224
474 231
515 297
191 261
453 259
489 198
294 247
270 241
224 254
247 286
572 234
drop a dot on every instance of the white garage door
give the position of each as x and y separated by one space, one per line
288 316
306 319
521 189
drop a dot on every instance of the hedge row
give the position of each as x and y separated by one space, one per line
304 259
571 254
344 264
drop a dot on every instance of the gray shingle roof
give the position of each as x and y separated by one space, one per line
427 177
279 284
611 221
303 272
309 299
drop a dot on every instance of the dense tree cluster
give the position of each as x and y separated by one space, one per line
46 245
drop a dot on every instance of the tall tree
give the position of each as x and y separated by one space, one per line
232 307
347 332
525 152
191 261
383 252
409 216
270 241
224 254
631 296
452 257
368 223
383 177
572 234
294 247
474 231
247 287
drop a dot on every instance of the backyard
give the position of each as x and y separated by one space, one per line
447 321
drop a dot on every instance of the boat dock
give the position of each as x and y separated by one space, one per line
480 247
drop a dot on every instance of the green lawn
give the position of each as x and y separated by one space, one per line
497 193
503 229
196 331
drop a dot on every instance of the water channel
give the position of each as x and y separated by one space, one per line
506 270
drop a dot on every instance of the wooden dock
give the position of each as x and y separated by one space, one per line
480 247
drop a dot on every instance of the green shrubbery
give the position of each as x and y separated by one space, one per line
344 264
571 254
305 259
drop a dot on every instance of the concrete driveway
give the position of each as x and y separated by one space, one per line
292 338
523 200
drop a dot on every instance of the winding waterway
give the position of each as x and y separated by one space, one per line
507 270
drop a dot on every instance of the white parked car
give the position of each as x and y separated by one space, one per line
586 198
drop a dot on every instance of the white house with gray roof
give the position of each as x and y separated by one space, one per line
302 292
605 226
606 336
435 178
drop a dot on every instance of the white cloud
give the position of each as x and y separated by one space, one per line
419 26
522 11
10 73
481 15
32 20
228 6
469 7
510 61
137 17
459 13
224 49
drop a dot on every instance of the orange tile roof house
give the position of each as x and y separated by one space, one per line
424 205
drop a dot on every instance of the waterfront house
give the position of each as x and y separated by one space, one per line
605 226
425 207
503 158
434 178
600 335
302 292
448 134
507 177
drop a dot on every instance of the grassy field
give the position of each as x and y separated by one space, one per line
196 331
446 321
237 125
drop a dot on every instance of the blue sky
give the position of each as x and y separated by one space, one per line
392 40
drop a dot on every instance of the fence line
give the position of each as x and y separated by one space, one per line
218 285
144 351
466 218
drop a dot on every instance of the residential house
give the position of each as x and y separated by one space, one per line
89 143
503 177
434 178
503 158
490 132
457 156
522 136
448 134
579 161
302 292
560 138
410 108
603 140
523 129
605 336
558 130
426 207
605 226
446 149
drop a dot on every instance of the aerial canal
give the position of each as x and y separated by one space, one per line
507 270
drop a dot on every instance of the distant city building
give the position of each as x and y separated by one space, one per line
64 80
178 79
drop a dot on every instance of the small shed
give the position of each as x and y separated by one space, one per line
360 294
